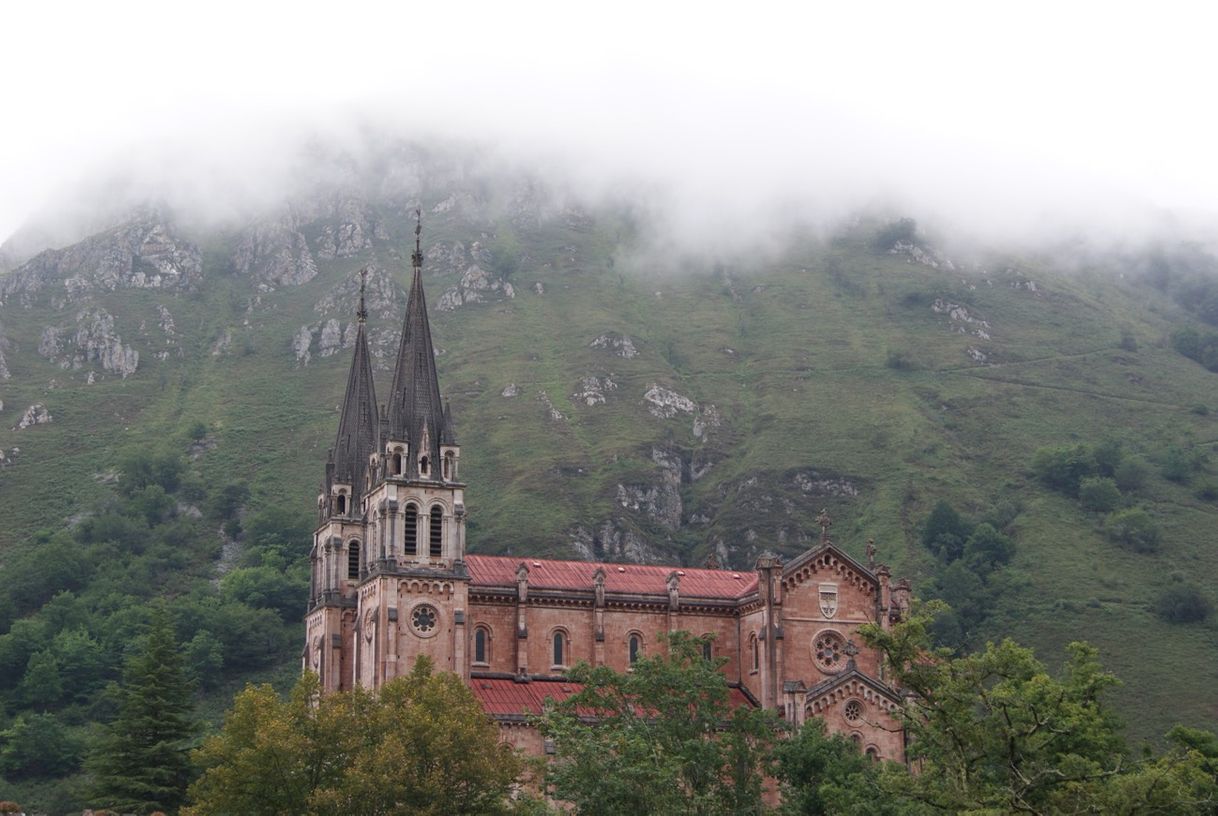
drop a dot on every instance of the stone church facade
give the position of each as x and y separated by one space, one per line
392 581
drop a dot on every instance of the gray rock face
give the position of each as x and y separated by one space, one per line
331 339
383 297
4 372
813 483
144 254
555 414
94 342
476 286
352 234
963 322
659 500
666 403
275 253
613 541
926 256
36 414
301 342
592 389
619 344
510 390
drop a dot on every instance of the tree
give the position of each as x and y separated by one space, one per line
419 745
37 745
994 732
1133 528
42 685
1131 474
1099 494
987 549
1183 603
827 774
945 531
663 738
141 764
1062 468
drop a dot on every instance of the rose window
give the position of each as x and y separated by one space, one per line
853 710
423 619
829 651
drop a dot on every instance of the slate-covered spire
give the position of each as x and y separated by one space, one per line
416 414
358 425
448 434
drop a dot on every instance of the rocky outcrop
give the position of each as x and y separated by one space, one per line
510 390
927 256
476 286
274 253
659 499
555 414
613 540
301 343
5 374
618 344
36 414
815 483
592 389
665 403
350 230
963 322
143 254
383 297
94 342
706 420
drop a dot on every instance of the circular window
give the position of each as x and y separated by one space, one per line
423 620
828 648
853 711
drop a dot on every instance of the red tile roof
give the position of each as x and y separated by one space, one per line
635 579
500 696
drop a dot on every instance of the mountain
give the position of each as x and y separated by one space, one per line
619 401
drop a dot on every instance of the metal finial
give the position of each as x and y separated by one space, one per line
361 314
416 259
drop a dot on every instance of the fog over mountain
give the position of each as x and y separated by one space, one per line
1046 124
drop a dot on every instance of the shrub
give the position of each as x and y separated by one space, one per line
1200 409
1201 348
1208 490
1099 495
1063 467
945 532
1131 474
1128 341
1179 463
892 233
987 549
1133 529
1182 603
899 361
1108 456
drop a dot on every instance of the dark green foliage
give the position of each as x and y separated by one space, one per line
1099 494
141 765
894 232
198 431
139 470
1129 341
1183 603
1202 348
686 750
1207 490
899 361
945 531
37 745
1200 409
1108 456
1131 475
1062 468
265 587
827 774
42 685
987 549
1133 529
228 500
1180 462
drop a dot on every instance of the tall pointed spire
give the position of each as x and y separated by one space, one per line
358 425
416 414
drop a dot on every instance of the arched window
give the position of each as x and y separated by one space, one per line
482 643
340 505
450 466
873 753
411 530
707 654
435 532
424 464
353 559
756 652
560 648
635 648
397 463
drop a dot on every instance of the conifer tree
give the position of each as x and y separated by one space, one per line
142 765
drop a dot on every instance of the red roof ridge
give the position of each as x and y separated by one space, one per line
638 579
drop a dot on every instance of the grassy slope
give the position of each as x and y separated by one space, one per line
806 387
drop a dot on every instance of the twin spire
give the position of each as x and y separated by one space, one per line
415 412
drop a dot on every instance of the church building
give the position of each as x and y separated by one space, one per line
391 580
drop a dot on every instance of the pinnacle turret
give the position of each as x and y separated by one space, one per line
416 414
359 422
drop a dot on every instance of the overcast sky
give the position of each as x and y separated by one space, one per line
1016 116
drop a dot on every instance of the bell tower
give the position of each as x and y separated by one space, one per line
339 557
413 597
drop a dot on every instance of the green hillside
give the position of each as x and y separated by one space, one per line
837 373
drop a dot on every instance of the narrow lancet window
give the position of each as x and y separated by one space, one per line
341 505
410 528
636 646
435 532
559 649
480 645
353 559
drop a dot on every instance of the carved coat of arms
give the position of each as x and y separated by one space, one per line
828 600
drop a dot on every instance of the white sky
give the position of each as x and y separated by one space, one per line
1017 114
